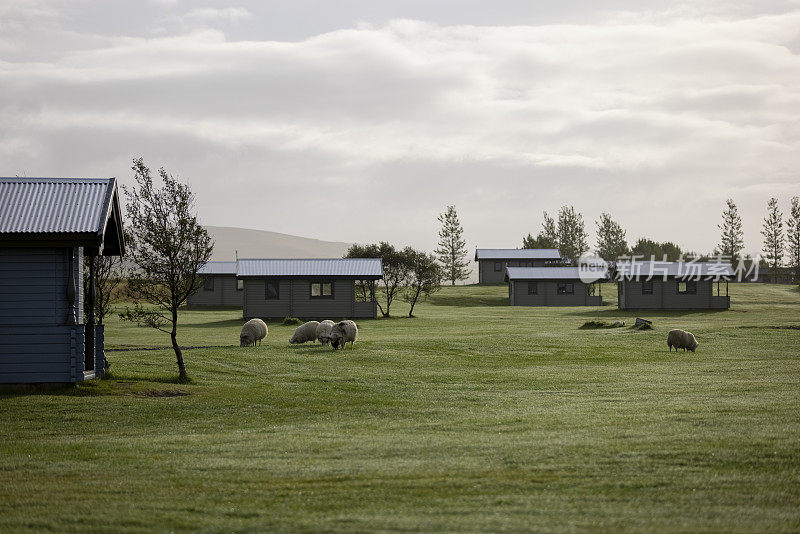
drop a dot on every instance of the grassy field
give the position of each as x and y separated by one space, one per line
473 416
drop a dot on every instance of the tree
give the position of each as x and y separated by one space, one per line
452 251
793 235
395 269
611 242
107 276
168 246
732 238
773 236
362 287
571 234
547 238
647 248
424 276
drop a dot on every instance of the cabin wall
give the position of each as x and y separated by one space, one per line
295 301
487 274
223 294
547 294
666 297
41 334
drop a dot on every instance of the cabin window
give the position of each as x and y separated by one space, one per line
273 290
687 288
239 285
498 266
321 290
647 287
566 288
533 288
208 283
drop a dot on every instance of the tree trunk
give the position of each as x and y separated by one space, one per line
178 354
413 302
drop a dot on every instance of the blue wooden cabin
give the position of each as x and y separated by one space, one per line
47 227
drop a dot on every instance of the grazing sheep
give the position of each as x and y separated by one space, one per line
343 332
305 332
253 331
680 339
324 331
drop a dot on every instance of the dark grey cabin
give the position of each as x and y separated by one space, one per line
662 285
553 286
47 227
492 262
310 288
220 286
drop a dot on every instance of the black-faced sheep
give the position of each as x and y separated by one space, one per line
681 339
305 332
253 331
343 332
324 331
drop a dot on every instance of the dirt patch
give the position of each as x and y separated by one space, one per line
161 393
590 325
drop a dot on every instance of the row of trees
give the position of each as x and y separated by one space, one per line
408 274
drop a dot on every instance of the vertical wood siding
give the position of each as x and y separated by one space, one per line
224 293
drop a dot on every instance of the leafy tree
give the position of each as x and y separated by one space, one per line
395 269
363 288
732 238
424 276
572 236
108 275
611 242
648 248
793 234
773 235
547 238
452 251
168 246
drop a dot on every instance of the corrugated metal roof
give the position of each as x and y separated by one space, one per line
677 269
218 267
517 254
53 205
347 267
554 273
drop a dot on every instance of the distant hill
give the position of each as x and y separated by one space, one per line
263 244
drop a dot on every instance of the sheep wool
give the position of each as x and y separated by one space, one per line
681 339
324 331
253 331
343 332
305 332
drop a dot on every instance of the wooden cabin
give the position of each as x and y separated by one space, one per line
220 286
310 288
664 285
553 286
47 227
492 262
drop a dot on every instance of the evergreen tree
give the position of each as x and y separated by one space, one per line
611 242
732 238
572 236
773 236
452 251
793 234
547 238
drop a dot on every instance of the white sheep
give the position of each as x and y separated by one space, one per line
343 332
324 331
253 331
305 332
681 339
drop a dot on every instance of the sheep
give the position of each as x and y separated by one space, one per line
343 332
324 331
253 331
305 332
680 339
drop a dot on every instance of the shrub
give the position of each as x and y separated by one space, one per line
289 321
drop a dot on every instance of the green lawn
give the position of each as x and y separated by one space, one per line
473 416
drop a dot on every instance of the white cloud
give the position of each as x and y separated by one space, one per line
656 118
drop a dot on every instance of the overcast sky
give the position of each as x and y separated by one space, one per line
361 120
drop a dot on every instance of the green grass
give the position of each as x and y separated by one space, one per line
473 416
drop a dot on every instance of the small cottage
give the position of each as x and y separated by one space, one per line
310 288
47 227
553 286
492 262
664 285
220 286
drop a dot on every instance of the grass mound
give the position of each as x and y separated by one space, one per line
590 325
289 321
643 326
